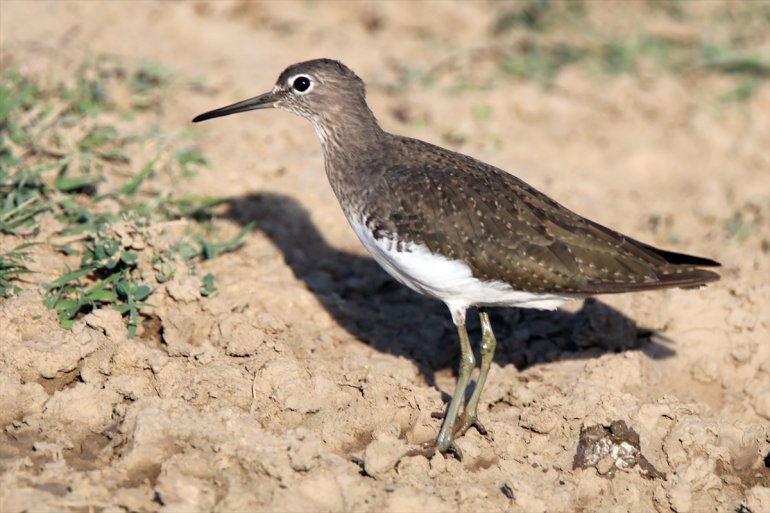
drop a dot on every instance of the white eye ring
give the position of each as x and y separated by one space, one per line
300 84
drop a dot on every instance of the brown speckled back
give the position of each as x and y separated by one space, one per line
501 227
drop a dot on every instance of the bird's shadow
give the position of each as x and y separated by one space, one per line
388 316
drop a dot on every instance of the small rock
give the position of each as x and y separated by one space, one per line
539 419
185 288
180 492
680 497
381 455
240 337
85 404
611 448
324 490
705 370
758 499
19 399
757 389
741 352
131 387
304 451
605 465
108 321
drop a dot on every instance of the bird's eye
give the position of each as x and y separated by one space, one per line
301 84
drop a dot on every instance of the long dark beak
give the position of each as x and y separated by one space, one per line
263 101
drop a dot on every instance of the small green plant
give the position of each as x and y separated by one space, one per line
208 287
100 181
23 199
12 266
533 15
728 61
739 227
107 276
541 62
200 245
189 159
741 92
483 112
211 249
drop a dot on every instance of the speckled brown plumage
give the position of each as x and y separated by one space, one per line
501 227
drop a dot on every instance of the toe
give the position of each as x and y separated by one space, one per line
465 422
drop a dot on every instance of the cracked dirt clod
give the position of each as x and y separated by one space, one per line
611 448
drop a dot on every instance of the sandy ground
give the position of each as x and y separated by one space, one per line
297 386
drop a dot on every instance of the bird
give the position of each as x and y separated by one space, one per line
459 230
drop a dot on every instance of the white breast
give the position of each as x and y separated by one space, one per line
448 280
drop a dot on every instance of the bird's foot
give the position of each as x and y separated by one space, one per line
467 421
447 446
429 449
464 422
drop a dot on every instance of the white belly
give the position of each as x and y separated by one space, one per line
448 280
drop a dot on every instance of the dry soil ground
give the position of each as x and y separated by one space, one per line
299 383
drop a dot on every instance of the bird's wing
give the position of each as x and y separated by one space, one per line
505 230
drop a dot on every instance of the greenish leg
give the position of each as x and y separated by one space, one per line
445 440
469 417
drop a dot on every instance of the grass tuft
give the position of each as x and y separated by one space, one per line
12 268
79 166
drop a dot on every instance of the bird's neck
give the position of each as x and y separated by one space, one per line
347 138
344 131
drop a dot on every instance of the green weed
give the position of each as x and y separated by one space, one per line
66 157
208 286
200 246
189 160
13 266
23 199
739 228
